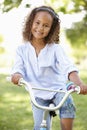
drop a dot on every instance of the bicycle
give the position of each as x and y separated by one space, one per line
51 108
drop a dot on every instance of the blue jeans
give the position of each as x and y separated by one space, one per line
66 111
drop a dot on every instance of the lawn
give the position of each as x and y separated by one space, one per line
15 109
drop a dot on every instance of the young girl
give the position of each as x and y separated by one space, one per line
42 61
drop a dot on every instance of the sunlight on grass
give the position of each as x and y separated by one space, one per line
17 98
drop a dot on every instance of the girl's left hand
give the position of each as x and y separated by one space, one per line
83 89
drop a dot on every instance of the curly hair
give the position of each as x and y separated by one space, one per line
53 35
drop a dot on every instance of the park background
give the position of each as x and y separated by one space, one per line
15 110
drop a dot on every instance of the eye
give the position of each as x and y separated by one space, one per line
46 25
37 22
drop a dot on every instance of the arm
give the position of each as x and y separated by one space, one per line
74 77
18 70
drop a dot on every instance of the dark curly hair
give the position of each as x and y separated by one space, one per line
53 35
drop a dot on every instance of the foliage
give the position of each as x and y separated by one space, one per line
58 5
78 31
7 5
68 6
80 5
78 34
65 6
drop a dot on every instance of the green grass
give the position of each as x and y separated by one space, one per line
15 108
15 111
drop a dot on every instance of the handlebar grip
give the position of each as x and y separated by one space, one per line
20 82
77 89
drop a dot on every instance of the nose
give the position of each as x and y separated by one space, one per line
41 27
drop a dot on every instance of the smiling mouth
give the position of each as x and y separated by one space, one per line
40 33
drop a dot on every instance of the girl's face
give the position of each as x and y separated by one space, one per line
41 25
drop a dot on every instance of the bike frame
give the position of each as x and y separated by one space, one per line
51 107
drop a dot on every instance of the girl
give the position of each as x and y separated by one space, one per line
42 61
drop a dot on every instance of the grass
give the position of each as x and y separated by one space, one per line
15 108
15 111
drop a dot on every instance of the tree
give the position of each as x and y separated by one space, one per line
77 34
7 5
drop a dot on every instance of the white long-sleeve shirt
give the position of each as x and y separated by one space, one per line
49 70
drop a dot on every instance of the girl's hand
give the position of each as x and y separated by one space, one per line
15 78
83 89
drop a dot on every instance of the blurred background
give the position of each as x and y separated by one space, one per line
73 35
15 110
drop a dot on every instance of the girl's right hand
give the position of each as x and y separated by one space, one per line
15 78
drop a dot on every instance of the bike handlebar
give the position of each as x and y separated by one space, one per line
29 87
